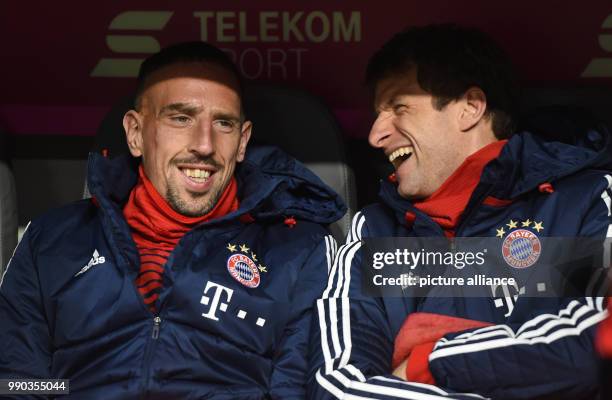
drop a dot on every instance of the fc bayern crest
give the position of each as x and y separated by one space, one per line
244 270
521 248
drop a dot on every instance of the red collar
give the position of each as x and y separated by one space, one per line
446 205
152 220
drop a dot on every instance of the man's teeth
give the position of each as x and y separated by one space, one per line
399 152
197 173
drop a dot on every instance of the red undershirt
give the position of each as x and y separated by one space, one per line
156 229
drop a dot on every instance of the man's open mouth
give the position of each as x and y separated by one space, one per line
196 175
399 156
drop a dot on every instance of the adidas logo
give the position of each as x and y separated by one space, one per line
95 260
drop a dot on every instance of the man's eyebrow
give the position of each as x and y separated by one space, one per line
184 108
383 103
226 115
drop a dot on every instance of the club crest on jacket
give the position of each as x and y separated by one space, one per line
521 247
242 266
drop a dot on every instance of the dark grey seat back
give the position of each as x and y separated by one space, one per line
304 127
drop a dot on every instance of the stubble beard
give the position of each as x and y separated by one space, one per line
195 205
192 208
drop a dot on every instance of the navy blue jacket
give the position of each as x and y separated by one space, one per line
235 309
538 347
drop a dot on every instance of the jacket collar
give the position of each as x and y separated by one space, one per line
271 184
529 160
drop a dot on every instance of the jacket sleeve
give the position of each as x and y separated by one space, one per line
25 343
550 355
352 343
290 364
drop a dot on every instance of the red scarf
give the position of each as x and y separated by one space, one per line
157 228
603 342
446 205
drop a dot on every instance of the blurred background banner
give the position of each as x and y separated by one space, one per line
64 64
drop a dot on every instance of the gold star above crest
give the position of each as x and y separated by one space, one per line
262 268
501 232
512 224
538 226
253 256
526 223
231 247
244 248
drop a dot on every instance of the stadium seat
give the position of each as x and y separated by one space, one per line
8 215
595 100
295 121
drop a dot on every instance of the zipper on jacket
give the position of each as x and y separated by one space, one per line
149 353
156 323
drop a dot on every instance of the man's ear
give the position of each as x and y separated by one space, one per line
132 124
245 136
473 108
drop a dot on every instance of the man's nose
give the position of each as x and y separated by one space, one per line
202 140
381 130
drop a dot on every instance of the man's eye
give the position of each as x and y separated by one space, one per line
180 119
225 125
398 108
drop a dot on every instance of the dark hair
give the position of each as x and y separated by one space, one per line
448 61
186 52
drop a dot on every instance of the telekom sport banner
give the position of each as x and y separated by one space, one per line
65 63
